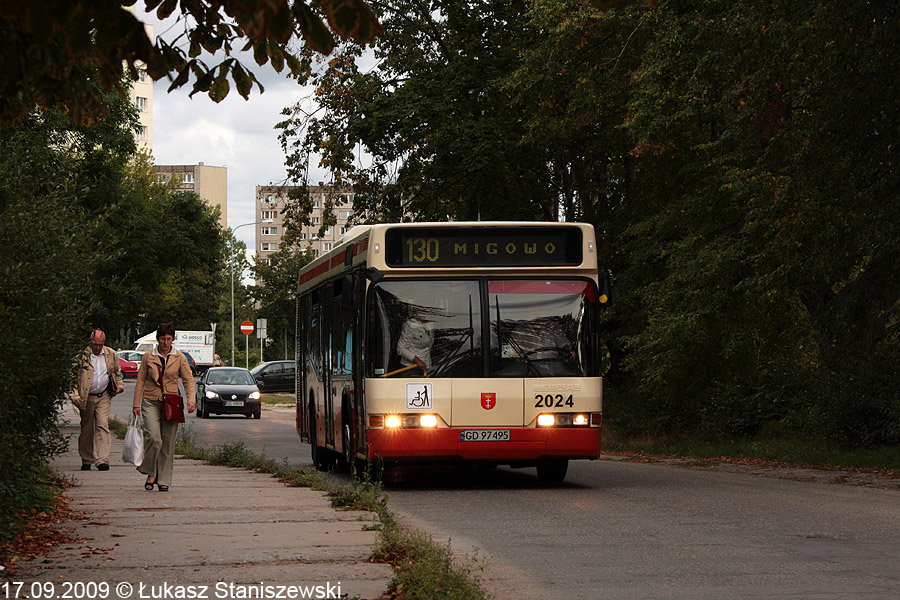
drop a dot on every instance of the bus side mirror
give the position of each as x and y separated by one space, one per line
605 285
373 274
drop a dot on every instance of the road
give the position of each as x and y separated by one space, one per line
622 530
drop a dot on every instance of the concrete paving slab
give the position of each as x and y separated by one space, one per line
238 533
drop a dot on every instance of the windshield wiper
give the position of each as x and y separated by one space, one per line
529 366
464 334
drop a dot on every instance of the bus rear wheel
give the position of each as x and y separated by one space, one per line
552 471
319 454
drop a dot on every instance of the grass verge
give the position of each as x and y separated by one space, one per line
791 452
422 567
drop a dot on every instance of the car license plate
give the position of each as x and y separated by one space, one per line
484 435
234 403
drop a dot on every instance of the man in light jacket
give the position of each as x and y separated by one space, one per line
99 380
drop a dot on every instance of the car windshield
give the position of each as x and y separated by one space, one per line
230 377
530 328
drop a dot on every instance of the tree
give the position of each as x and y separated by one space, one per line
437 134
275 291
50 250
761 258
55 52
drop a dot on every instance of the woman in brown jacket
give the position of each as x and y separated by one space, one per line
163 364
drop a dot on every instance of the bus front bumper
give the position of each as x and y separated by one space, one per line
524 445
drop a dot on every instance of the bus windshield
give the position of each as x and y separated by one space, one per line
483 328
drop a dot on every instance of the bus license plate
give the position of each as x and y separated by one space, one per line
484 435
234 403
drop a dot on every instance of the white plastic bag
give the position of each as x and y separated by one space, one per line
133 450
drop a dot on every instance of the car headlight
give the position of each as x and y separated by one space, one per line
211 395
254 395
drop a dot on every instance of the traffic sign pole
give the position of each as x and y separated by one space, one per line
247 329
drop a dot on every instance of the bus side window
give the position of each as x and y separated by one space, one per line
314 340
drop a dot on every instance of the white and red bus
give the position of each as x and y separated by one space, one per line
453 343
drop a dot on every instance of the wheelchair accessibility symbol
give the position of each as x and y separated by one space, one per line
419 396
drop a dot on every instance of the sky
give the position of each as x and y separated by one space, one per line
235 133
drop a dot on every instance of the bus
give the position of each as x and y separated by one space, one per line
453 343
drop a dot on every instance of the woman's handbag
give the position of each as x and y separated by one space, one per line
173 408
173 404
133 450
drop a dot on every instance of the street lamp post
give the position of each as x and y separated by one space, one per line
231 261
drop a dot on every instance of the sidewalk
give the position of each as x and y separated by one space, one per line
234 531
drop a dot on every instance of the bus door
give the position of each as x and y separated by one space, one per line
317 364
301 359
343 317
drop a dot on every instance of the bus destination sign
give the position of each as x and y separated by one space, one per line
450 246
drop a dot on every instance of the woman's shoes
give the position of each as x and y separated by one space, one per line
148 485
163 488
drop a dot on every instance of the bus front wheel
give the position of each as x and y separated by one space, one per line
552 471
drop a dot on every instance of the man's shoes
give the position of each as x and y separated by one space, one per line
103 467
85 467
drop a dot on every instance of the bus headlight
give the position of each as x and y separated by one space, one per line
546 420
428 421
392 421
564 420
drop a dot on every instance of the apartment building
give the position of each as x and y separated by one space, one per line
270 202
142 98
210 183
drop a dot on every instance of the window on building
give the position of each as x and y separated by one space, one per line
187 177
314 220
344 214
268 247
267 214
142 133
269 231
141 103
142 75
326 246
302 236
328 232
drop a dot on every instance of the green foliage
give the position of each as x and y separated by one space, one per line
761 265
440 135
90 241
275 294
738 161
49 252
60 54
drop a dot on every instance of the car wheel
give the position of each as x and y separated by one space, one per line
257 414
205 411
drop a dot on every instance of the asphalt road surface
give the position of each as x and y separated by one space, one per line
622 530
